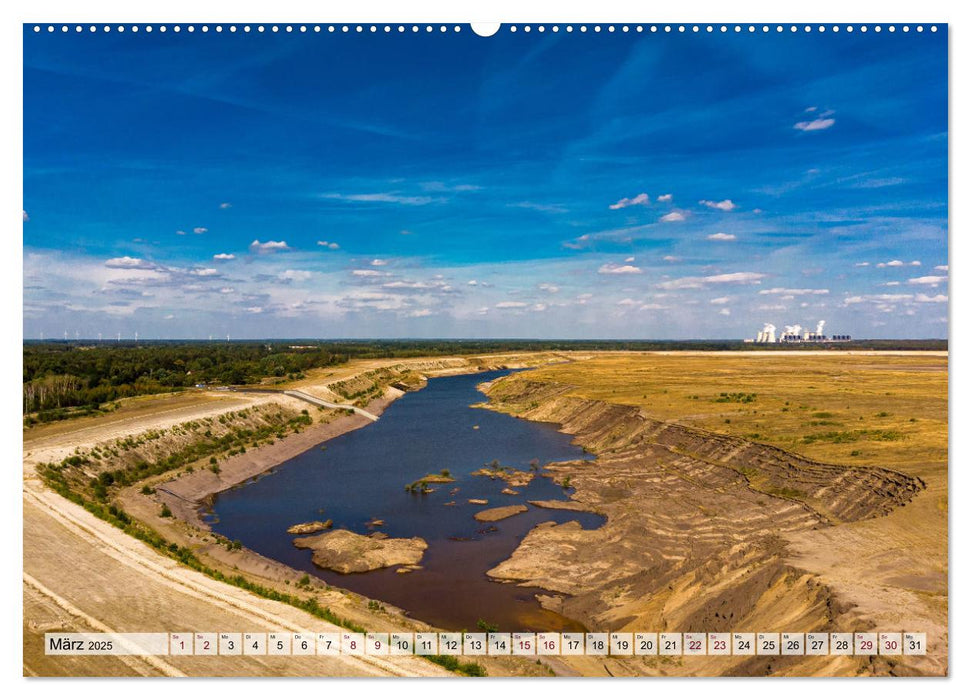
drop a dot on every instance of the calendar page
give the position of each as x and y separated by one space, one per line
485 350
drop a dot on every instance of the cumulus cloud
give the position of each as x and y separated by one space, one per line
941 268
225 205
127 263
614 269
268 247
936 299
932 280
892 263
200 229
719 300
700 282
254 309
204 272
641 199
815 124
549 288
330 245
725 312
665 198
295 275
673 216
366 273
223 256
721 237
671 258
724 205
511 305
378 262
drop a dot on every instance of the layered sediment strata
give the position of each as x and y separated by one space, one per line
697 522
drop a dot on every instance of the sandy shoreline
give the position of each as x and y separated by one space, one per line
188 493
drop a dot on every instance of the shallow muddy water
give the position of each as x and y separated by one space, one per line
361 475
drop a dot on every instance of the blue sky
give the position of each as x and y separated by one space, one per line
447 185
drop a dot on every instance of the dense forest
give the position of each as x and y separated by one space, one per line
63 379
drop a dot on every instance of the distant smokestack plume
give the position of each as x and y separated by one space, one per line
768 328
793 330
819 327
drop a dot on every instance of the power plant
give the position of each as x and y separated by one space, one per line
796 334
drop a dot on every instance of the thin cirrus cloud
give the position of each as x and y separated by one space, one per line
820 123
637 200
722 237
383 198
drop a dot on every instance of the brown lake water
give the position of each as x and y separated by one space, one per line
361 475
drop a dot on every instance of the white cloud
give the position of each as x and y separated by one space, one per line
892 263
255 309
814 125
268 247
930 279
330 245
225 205
671 258
937 299
511 305
127 263
628 302
784 290
226 290
891 284
382 198
673 216
472 283
539 307
862 264
180 232
169 317
295 275
721 237
367 273
699 282
549 288
613 269
720 300
629 260
915 263
665 198
200 229
223 256
725 312
941 268
26 218
419 313
724 205
378 262
642 199
205 272
737 277
651 307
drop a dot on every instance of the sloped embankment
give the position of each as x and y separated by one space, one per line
696 524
